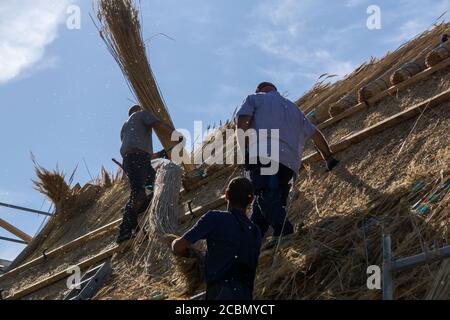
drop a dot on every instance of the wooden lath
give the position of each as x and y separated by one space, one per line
15 231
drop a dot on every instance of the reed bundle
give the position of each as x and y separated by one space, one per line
343 104
439 54
120 29
375 87
328 259
408 70
160 219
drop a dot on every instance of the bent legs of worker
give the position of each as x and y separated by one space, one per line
138 167
270 201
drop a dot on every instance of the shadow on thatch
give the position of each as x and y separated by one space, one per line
328 258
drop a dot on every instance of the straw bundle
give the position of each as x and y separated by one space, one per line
343 104
408 70
190 269
374 88
320 114
120 29
328 259
439 54
150 245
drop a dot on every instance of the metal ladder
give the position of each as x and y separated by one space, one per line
90 283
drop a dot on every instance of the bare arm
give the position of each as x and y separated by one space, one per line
180 247
325 150
322 144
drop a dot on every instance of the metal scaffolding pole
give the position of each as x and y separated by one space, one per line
13 240
25 209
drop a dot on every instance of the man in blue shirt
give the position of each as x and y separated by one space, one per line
233 245
268 110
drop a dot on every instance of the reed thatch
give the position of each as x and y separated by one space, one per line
329 258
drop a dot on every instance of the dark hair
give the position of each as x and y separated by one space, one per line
265 84
240 192
134 109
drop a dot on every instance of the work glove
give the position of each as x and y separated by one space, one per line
331 163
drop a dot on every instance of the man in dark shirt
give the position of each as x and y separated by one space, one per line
233 245
137 153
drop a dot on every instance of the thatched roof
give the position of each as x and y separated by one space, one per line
394 179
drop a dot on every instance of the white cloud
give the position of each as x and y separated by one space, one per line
26 28
289 40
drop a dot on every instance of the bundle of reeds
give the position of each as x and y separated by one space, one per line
408 70
439 54
343 104
190 271
120 29
375 87
329 258
160 219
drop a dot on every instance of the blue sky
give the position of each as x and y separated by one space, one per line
64 99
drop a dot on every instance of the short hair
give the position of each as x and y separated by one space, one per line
265 84
240 192
134 109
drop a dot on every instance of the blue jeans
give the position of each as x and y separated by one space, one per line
271 193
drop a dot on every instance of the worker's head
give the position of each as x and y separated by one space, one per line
134 109
239 193
266 87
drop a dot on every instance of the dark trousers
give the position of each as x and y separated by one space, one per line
138 167
229 290
271 193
